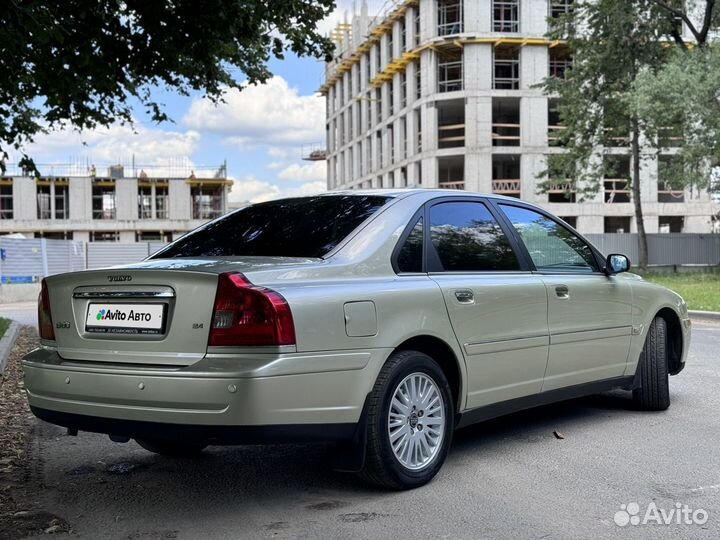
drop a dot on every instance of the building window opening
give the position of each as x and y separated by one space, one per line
617 224
671 224
670 187
560 60
506 68
103 199
506 122
451 172
451 124
450 17
506 175
207 201
506 15
450 72
617 179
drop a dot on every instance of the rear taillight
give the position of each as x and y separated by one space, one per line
245 314
44 319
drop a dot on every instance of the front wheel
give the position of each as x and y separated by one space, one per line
172 448
409 423
653 393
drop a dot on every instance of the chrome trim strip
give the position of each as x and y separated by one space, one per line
124 294
512 344
590 335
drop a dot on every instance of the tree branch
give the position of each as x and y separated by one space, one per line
707 21
681 15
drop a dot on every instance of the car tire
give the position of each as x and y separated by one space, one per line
172 448
653 392
389 464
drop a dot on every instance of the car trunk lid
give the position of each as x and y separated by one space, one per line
156 312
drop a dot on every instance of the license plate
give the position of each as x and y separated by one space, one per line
125 318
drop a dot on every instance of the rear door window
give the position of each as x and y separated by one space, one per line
467 238
308 227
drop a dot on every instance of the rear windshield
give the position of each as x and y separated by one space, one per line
303 227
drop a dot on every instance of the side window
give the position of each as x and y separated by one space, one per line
410 257
551 246
468 239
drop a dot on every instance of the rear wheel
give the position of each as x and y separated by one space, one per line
654 391
172 448
409 423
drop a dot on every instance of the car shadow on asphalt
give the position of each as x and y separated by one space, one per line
543 421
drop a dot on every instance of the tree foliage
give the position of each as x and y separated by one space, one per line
614 43
82 62
682 98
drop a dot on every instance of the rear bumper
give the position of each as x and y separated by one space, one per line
208 434
209 399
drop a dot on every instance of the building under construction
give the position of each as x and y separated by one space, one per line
115 203
442 93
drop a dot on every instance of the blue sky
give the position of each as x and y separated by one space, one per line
261 132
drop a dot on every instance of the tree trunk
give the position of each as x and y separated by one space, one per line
642 236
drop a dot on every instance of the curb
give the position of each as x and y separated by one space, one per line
7 343
706 315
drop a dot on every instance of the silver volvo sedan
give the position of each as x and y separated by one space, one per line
379 320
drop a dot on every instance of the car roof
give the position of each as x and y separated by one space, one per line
406 192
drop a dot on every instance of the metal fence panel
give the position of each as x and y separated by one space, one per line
104 254
28 260
664 249
627 244
64 256
21 260
678 248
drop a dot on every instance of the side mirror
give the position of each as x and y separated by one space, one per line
616 264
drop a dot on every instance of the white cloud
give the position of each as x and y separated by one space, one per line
315 171
273 114
165 151
250 189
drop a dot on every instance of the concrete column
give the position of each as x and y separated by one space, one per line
428 19
81 236
429 127
126 190
533 65
478 16
412 177
399 141
478 171
24 198
80 198
410 28
179 200
591 224
649 178
533 122
478 123
477 66
428 69
411 133
127 237
430 172
533 17
531 165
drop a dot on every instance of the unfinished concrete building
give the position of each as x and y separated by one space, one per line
442 93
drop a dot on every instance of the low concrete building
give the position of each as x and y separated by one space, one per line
114 207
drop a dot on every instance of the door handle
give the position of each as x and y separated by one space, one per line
562 291
465 296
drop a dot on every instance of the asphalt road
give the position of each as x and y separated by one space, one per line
509 478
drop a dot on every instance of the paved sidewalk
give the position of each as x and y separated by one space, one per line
24 312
